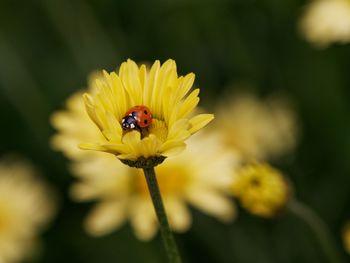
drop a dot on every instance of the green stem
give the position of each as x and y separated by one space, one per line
167 236
319 227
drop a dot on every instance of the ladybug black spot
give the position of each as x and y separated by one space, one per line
145 121
146 112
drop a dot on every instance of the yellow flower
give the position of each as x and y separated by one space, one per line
24 210
199 176
163 92
326 21
346 237
256 129
261 189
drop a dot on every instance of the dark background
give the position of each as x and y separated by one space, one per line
48 47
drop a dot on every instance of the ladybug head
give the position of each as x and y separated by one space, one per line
129 123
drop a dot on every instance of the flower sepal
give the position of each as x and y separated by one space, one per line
143 162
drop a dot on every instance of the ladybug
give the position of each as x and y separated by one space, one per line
137 117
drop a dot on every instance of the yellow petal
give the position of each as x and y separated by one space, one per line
91 146
179 215
168 145
106 217
116 148
143 219
144 83
174 151
189 104
119 94
152 86
83 192
90 109
179 130
150 146
114 128
199 121
166 77
133 140
185 87
129 75
212 203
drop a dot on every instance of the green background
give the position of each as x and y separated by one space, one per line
48 47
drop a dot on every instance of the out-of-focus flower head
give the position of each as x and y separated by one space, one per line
346 237
25 209
199 176
261 189
326 21
255 128
163 92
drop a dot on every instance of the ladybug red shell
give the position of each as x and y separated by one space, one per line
137 117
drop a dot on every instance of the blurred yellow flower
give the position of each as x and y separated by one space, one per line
257 129
261 189
25 208
163 92
200 176
346 237
326 21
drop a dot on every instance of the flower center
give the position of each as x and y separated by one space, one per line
255 182
171 181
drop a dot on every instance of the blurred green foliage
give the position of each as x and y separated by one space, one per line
48 47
